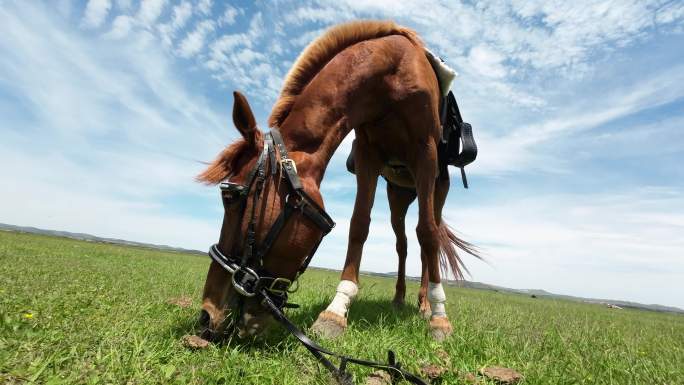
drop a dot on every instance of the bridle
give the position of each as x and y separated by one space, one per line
249 276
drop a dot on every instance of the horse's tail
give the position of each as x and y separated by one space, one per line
448 256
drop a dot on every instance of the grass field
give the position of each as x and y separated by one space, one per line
79 312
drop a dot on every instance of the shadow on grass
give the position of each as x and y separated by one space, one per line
363 312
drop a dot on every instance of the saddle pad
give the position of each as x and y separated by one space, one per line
445 74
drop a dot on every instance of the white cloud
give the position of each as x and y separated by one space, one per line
487 62
520 148
204 7
194 41
181 14
670 13
229 15
604 239
238 58
150 10
121 26
96 12
92 209
309 14
124 5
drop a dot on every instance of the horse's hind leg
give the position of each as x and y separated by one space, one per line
399 201
333 320
423 166
441 191
427 232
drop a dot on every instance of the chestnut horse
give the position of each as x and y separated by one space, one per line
372 77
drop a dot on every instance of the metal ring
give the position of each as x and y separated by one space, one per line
239 286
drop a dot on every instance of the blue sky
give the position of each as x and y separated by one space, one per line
578 110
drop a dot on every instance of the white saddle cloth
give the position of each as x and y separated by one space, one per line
445 74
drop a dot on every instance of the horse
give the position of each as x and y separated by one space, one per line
372 77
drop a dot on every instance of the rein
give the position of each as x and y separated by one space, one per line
251 279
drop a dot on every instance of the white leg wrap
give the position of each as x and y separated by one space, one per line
437 299
346 291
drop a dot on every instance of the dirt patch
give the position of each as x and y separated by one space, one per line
433 372
444 356
379 377
470 378
501 375
182 301
195 342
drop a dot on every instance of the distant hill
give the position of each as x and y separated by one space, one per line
467 284
543 293
93 238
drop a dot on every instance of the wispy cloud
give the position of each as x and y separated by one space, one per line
181 15
117 128
96 12
204 7
150 10
229 15
235 58
520 148
194 41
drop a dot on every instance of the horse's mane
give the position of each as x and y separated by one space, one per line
320 51
229 159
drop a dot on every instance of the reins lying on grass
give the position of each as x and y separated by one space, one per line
341 375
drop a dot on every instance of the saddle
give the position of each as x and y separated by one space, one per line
457 145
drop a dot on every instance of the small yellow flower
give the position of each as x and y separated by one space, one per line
28 315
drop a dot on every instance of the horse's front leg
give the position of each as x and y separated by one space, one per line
333 320
423 303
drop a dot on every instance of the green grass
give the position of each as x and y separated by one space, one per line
79 312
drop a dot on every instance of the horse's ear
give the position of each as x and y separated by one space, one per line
243 118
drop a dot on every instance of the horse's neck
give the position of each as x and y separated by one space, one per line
318 122
314 135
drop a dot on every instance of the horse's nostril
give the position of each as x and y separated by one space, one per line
204 318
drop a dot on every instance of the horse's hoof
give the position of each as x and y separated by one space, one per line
329 325
440 328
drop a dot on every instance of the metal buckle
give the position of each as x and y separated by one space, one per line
272 288
288 161
233 188
245 281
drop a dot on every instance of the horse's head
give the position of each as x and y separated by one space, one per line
256 206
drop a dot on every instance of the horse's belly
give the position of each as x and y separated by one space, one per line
399 176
